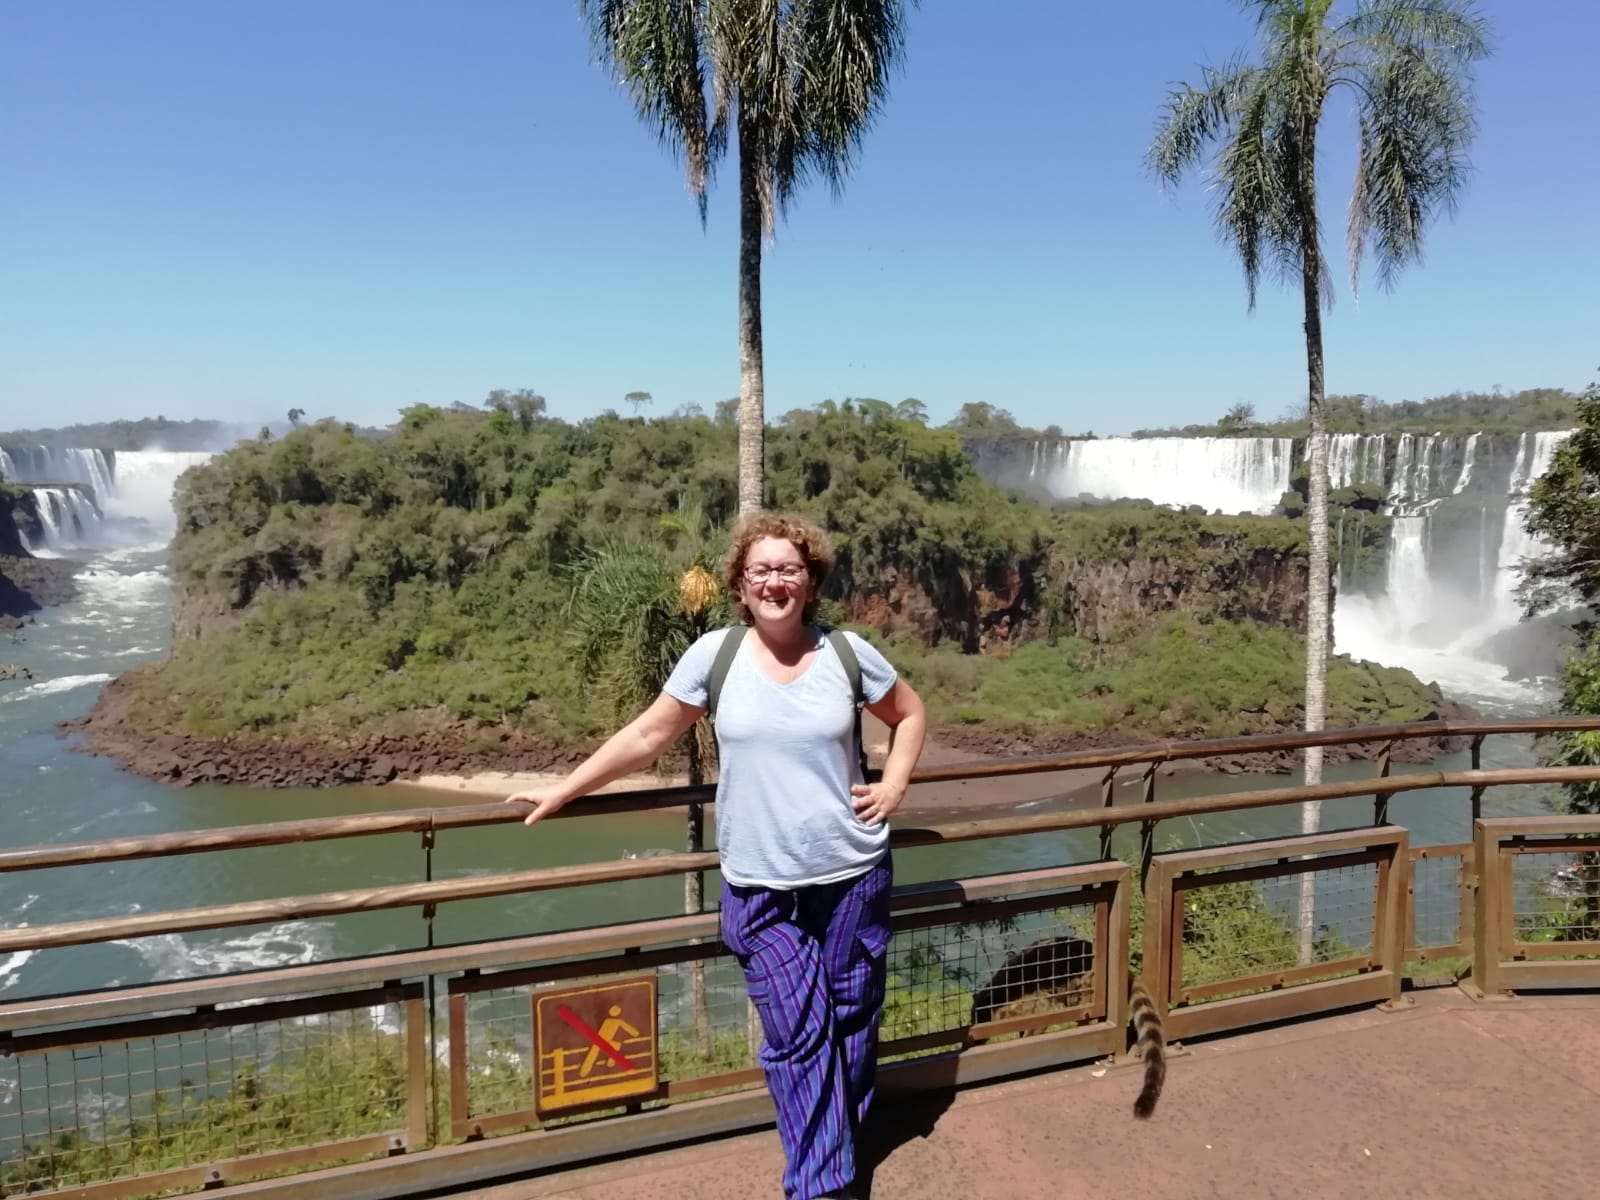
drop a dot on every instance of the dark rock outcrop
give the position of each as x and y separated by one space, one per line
29 584
427 746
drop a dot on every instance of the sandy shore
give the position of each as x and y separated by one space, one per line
966 793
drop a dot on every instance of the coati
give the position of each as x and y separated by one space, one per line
1058 972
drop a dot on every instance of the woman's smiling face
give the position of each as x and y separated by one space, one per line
776 582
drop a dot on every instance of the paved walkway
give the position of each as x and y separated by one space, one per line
1449 1098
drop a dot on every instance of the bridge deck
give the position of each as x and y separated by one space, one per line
1447 1097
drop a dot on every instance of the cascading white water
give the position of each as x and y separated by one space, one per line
1410 588
118 501
1355 458
66 515
1534 454
1437 630
1231 474
144 482
1468 456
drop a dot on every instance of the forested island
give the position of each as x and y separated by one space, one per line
351 605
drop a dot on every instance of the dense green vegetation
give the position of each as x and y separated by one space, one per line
1454 413
432 569
1564 510
142 434
14 502
1117 531
334 583
1175 677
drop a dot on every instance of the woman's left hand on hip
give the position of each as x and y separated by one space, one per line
875 802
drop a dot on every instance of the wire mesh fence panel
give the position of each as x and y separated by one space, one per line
708 1027
100 1107
1279 928
1556 899
499 1051
1437 919
1028 963
1248 930
696 1029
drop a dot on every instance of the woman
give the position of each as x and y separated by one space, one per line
803 839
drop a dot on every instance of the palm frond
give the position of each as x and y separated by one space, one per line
1293 225
1416 123
622 620
1196 117
1452 28
848 50
656 48
1278 18
1250 194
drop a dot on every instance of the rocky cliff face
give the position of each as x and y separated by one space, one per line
1102 599
1097 589
986 614
13 514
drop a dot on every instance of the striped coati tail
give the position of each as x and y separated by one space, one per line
1150 1045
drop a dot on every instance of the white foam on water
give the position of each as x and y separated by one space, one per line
386 1018
1364 628
117 581
11 965
49 687
288 943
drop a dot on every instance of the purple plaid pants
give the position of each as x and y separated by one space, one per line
814 959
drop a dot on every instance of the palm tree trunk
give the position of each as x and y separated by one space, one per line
1317 623
752 397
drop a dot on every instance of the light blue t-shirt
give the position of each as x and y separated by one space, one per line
788 759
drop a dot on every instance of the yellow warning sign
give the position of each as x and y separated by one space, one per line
594 1042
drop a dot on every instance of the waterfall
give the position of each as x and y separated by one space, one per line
1231 474
1410 589
1447 594
1470 453
1354 458
66 515
1534 454
119 498
144 483
1455 543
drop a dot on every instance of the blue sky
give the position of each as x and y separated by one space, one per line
229 210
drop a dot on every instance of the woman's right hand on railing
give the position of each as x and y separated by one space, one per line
545 800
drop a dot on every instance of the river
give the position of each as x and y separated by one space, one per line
122 617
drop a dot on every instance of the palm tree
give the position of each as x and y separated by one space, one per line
801 82
1406 66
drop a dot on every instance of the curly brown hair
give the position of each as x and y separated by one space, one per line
806 538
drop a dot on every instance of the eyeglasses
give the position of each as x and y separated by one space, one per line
789 573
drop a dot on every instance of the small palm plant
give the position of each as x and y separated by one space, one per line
637 606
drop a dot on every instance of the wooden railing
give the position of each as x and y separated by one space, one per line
101 1093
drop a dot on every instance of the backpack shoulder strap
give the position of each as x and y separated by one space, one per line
852 665
719 665
852 670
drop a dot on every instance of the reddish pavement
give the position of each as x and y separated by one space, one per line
1449 1097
